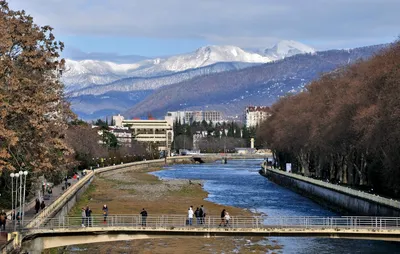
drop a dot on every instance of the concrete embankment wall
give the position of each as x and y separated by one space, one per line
65 204
342 199
211 157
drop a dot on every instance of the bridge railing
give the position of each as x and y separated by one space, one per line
255 222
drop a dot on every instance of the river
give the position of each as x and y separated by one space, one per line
239 184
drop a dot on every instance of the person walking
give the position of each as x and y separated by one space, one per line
83 214
88 216
227 218
190 215
222 218
198 216
37 205
42 205
144 217
66 182
203 213
105 213
3 220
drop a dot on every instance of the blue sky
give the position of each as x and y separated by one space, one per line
167 27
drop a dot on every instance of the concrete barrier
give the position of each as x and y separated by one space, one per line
336 197
61 206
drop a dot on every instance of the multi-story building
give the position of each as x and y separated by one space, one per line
123 134
188 117
158 132
255 115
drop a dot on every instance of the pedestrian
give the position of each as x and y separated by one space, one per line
105 213
222 218
18 216
201 216
37 205
203 212
197 214
3 220
227 218
42 205
66 182
88 216
83 214
144 217
190 215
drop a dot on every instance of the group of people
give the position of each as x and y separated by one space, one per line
86 214
39 205
199 213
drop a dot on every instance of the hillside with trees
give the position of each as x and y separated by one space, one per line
345 128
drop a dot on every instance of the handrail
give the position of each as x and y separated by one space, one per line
167 221
57 204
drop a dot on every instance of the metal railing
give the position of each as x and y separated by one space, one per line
170 222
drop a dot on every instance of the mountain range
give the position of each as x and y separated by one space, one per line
225 78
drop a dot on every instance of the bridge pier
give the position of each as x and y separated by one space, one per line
35 246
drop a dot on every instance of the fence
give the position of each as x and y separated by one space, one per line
254 222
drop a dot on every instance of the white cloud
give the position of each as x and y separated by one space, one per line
250 22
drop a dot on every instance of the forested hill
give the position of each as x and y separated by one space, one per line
231 91
345 127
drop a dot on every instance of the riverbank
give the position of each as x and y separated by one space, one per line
130 191
338 198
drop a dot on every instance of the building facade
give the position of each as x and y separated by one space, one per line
123 134
188 117
255 115
158 132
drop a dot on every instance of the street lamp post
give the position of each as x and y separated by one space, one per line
12 194
20 194
16 200
23 206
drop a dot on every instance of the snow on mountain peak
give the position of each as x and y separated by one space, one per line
208 55
80 74
287 48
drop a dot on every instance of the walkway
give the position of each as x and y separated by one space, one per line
30 212
69 230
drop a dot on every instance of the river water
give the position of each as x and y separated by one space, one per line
239 184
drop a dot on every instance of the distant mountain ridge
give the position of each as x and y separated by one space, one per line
97 88
89 73
231 91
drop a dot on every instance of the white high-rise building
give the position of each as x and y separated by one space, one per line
188 117
255 115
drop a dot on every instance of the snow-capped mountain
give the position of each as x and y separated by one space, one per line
286 49
87 73
98 88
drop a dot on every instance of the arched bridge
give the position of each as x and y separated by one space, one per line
69 230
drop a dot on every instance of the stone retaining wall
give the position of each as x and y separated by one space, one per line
339 198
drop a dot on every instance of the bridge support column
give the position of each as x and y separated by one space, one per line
34 246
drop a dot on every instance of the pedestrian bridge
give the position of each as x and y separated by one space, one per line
69 230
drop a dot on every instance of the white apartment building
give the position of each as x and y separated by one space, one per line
123 134
159 132
255 115
188 117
